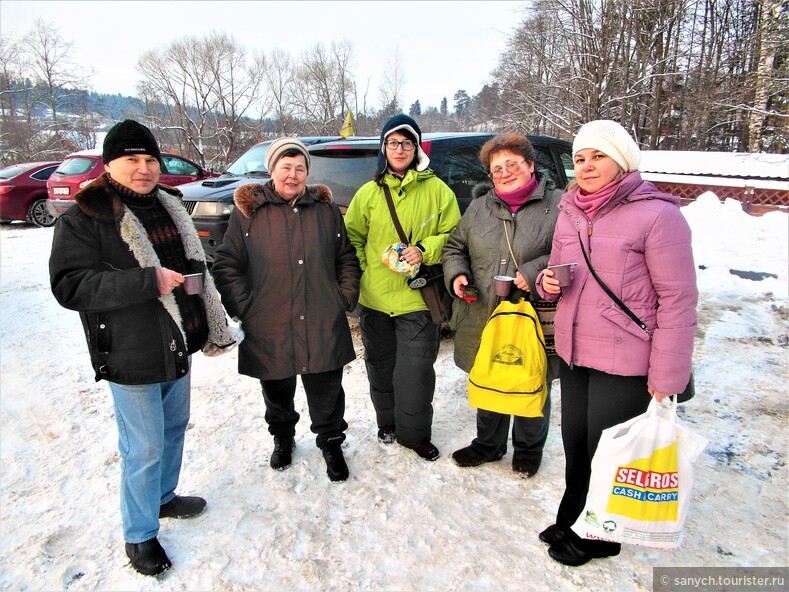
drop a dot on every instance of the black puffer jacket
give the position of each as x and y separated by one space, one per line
103 265
290 274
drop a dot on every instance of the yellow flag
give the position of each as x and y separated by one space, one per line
347 126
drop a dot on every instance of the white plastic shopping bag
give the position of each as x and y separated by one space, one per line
642 477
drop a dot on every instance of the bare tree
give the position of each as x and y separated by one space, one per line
323 86
51 65
210 88
773 42
391 87
279 73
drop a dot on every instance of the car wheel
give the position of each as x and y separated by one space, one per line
39 214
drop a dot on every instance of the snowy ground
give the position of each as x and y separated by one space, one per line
398 523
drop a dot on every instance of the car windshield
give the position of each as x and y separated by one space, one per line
76 166
12 171
252 162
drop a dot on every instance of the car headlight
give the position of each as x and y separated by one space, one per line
213 208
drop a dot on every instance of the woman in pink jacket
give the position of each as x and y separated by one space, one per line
639 244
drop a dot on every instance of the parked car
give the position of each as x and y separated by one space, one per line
454 157
80 168
345 165
210 202
23 192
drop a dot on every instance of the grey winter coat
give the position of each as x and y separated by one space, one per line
290 274
478 249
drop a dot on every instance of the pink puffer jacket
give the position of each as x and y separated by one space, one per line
640 246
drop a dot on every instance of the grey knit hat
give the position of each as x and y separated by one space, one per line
282 145
611 139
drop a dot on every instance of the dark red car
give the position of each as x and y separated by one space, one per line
23 192
80 168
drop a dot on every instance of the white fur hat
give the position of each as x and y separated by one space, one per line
611 139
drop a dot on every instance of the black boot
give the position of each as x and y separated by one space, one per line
282 455
182 507
552 535
148 557
336 468
526 463
471 457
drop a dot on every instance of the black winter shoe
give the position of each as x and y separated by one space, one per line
182 507
470 457
552 535
282 455
148 557
570 553
336 468
386 435
526 464
427 451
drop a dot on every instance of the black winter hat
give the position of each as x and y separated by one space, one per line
129 137
403 123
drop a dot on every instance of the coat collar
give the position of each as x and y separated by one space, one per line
252 196
99 199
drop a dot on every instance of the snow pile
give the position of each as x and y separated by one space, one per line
398 523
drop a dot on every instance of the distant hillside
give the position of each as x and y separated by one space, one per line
78 102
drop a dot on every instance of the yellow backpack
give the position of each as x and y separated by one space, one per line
509 372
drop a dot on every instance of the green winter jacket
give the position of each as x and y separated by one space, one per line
428 212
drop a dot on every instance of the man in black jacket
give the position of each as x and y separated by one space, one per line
119 257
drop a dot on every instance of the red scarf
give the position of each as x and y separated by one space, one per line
515 199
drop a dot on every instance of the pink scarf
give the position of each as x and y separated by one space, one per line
591 203
515 199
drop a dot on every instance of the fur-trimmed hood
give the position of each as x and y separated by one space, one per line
251 196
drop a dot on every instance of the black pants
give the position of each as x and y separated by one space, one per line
591 402
399 354
325 400
528 433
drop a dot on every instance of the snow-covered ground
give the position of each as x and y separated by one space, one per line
398 523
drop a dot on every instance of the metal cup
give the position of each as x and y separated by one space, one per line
502 285
193 283
563 273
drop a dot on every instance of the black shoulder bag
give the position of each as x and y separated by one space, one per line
690 390
429 280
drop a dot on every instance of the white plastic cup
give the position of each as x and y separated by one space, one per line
502 285
193 283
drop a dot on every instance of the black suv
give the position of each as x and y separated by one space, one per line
210 202
346 165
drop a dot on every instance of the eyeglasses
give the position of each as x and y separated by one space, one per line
407 145
510 167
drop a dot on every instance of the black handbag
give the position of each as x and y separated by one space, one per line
430 278
690 389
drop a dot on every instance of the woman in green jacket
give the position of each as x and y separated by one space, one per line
400 340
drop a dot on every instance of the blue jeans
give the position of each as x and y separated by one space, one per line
151 421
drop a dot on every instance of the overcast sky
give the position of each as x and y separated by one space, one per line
443 46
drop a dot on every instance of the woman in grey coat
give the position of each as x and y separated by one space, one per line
515 217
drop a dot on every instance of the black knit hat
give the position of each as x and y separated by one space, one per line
403 123
129 137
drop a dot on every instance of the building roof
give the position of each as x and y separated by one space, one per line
741 165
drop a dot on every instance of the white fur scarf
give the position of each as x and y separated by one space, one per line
221 338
